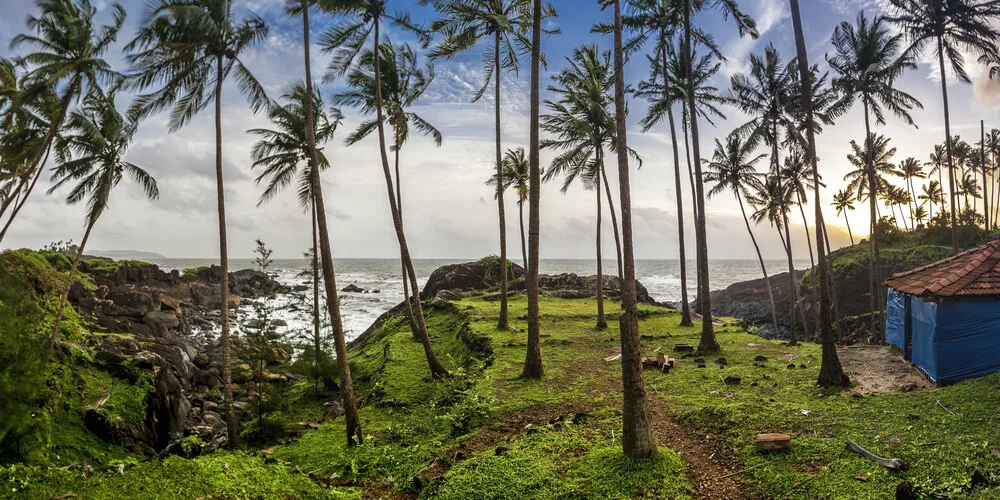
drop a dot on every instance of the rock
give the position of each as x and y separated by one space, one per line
241 374
201 360
760 359
733 380
352 288
148 360
466 277
209 378
773 442
721 362
439 303
301 288
209 406
167 319
278 322
334 409
448 295
169 409
127 300
169 303
571 286
275 377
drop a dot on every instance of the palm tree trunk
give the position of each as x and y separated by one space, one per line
436 368
502 322
602 322
317 350
533 357
694 201
875 258
352 423
982 164
685 306
849 233
232 428
414 331
707 342
614 218
834 298
524 249
763 268
947 144
20 202
805 225
69 284
638 440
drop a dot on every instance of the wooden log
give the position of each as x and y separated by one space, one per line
665 368
660 360
684 348
649 363
671 362
773 442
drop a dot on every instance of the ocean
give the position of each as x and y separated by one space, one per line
359 310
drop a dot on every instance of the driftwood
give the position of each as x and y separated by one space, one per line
889 463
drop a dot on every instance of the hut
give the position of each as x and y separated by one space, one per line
945 316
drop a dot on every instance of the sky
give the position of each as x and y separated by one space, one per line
449 211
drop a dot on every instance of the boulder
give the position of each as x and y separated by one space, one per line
466 277
127 300
352 288
167 319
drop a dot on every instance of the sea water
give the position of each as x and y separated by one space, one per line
381 280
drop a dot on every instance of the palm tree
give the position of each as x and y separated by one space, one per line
798 176
360 19
403 82
583 127
505 23
910 169
867 62
746 27
831 371
321 238
920 214
937 161
843 201
69 56
969 187
100 137
533 356
515 175
279 154
952 28
932 194
764 94
638 440
733 168
187 47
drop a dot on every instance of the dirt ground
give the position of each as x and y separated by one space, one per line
875 369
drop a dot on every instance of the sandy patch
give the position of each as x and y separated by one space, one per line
875 369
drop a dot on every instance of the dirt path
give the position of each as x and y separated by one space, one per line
711 470
875 369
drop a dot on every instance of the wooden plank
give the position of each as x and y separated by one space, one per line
773 442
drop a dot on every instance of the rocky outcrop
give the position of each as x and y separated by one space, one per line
160 310
466 277
748 300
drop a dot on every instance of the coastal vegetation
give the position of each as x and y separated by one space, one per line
107 392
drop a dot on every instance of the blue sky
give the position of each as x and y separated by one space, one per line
450 212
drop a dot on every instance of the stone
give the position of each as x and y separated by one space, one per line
733 379
169 303
448 295
148 360
773 442
721 362
760 359
352 288
200 360
279 322
241 374
334 409
167 319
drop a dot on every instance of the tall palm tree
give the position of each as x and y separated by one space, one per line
843 201
505 23
764 94
99 139
69 56
515 175
638 440
583 128
868 61
920 214
189 48
533 356
359 20
952 28
932 194
910 169
969 187
937 161
746 27
321 238
831 371
289 153
798 174
733 168
404 81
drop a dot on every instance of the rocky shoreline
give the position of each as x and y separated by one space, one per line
163 327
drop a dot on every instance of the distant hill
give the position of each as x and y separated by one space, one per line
125 254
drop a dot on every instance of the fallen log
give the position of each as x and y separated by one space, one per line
889 463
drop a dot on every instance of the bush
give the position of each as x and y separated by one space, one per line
491 268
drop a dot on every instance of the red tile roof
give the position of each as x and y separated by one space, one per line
972 273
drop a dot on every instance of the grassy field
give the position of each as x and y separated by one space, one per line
486 434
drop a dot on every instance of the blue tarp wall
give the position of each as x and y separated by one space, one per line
952 340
